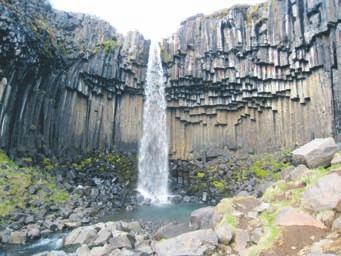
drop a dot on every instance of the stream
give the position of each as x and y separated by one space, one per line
153 215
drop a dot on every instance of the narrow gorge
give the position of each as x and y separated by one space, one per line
233 121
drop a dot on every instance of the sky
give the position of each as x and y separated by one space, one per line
155 19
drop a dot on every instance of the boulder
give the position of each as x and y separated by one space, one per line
53 253
337 158
292 173
202 218
18 237
103 236
337 225
326 217
81 235
324 195
318 152
224 233
121 239
83 250
241 240
192 243
294 217
172 229
101 250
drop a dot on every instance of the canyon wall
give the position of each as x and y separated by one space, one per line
254 78
69 83
250 78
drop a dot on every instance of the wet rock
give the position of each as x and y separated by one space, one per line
193 243
318 152
82 235
33 231
18 237
171 230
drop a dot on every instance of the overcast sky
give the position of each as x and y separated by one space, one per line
154 18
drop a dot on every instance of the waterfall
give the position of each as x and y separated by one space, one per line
153 152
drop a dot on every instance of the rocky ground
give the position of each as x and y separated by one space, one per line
299 214
40 196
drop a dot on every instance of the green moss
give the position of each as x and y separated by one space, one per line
47 164
165 56
269 166
14 184
109 45
4 158
200 175
219 185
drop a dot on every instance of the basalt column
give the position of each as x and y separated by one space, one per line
254 78
69 83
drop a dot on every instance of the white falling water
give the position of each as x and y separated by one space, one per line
153 153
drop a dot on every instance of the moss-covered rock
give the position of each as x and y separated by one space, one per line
20 187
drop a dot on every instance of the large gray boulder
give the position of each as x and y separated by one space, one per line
194 243
324 195
172 229
294 217
81 235
318 152
202 218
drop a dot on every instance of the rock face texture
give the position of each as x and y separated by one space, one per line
255 78
252 78
69 83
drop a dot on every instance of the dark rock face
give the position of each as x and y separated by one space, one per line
69 83
255 78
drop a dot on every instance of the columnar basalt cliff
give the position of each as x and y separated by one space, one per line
250 78
69 82
255 78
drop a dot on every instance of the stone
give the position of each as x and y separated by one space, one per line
33 231
316 153
326 217
120 239
5 236
324 195
172 229
83 250
81 235
18 237
337 225
192 243
241 240
103 236
202 218
101 250
224 233
256 235
336 159
133 226
53 253
293 173
294 217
